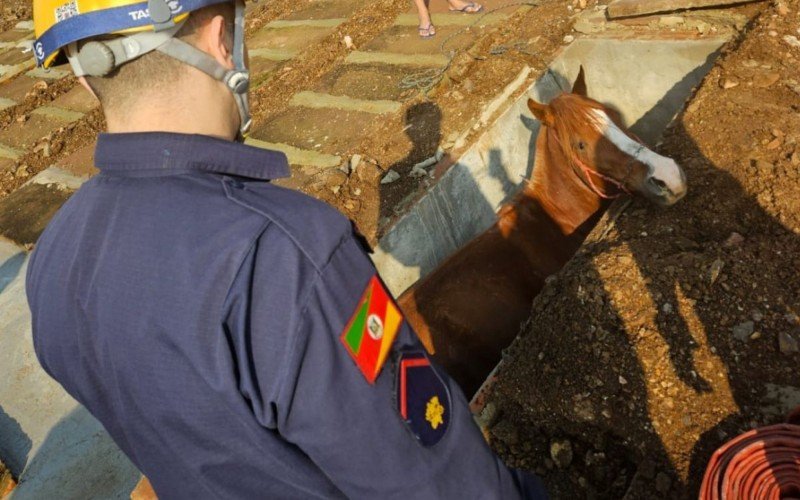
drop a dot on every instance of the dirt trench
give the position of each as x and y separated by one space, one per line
673 330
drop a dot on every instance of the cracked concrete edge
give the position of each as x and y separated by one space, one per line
8 72
318 100
48 74
306 23
59 177
10 153
360 57
273 54
58 113
298 156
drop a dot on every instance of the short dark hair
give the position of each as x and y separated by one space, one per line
153 71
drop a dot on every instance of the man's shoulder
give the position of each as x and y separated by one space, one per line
313 226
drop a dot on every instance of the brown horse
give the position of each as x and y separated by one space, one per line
472 305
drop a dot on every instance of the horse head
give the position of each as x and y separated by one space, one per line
606 157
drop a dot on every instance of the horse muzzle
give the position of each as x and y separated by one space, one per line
666 183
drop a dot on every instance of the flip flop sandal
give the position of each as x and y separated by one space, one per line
427 32
465 9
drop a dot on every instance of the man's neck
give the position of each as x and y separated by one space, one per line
204 111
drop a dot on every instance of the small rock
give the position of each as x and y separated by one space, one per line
623 380
775 143
456 95
468 85
792 318
715 270
40 85
755 336
728 83
788 344
348 42
734 240
782 9
22 172
569 39
743 331
561 453
792 40
756 315
390 177
355 161
357 192
765 79
663 483
667 308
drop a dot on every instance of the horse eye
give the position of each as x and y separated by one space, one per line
581 145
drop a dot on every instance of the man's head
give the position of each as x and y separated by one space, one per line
169 73
154 76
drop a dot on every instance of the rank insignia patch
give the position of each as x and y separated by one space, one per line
371 331
422 398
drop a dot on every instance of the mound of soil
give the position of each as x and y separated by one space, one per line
673 330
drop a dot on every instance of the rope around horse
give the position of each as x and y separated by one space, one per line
427 79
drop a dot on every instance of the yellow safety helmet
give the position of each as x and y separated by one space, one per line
143 27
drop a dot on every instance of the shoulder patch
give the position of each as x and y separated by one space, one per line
423 398
370 333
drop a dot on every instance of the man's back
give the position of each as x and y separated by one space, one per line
196 311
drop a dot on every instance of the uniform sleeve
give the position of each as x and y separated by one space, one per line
352 429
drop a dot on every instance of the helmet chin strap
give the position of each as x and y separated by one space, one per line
99 58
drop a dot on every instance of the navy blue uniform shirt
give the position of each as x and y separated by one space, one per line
196 310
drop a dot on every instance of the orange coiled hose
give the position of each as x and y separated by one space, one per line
760 464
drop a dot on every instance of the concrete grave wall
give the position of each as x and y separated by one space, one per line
647 81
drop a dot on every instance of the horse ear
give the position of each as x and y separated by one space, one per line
579 87
541 112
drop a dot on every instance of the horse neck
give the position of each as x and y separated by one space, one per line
556 187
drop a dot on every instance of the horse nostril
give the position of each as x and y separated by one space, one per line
658 183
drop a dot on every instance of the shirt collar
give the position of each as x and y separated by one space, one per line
163 151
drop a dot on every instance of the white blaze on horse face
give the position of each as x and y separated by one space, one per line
661 168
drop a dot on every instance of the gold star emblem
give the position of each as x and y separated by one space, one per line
434 412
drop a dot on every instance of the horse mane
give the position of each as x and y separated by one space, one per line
570 112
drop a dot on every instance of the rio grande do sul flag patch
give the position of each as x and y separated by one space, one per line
371 331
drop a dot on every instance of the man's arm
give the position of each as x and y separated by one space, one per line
406 433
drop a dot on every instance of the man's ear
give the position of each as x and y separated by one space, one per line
213 39
541 112
86 85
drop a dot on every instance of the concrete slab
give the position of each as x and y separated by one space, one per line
313 23
627 8
15 56
59 114
438 7
418 60
451 19
465 199
9 153
56 448
8 72
17 88
327 9
77 99
15 35
327 131
406 40
286 40
80 163
298 156
6 103
55 73
315 100
366 81
22 135
25 212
